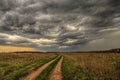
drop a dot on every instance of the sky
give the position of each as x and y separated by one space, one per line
60 25
15 49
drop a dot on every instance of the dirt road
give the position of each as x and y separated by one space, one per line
57 73
34 74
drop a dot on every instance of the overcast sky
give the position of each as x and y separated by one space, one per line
60 25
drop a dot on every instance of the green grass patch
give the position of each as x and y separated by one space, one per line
67 69
72 72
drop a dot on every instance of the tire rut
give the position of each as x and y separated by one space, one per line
57 72
34 74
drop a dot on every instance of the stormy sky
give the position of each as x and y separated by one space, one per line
60 25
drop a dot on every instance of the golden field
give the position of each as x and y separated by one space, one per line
14 49
91 66
75 66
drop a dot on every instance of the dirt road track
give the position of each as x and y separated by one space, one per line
34 74
57 73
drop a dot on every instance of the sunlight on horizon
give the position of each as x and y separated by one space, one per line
15 49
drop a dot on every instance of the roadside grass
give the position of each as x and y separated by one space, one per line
10 62
91 66
10 69
45 74
16 74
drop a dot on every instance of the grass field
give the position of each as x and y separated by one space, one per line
15 65
91 66
75 66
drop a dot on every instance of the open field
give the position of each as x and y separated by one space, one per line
62 66
91 66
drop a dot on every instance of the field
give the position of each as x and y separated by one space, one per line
91 66
60 66
15 65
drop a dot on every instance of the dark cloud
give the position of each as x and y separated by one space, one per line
7 5
2 42
58 25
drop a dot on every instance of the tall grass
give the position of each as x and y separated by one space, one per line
91 66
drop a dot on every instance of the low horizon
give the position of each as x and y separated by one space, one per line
5 48
59 39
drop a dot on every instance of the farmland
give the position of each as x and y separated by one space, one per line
61 66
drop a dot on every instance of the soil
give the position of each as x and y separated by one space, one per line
57 72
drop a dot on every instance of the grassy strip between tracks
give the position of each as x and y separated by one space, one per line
45 73
67 69
25 70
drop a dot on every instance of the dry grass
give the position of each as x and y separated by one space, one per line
10 62
93 66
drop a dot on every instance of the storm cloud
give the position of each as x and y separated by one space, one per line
60 25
